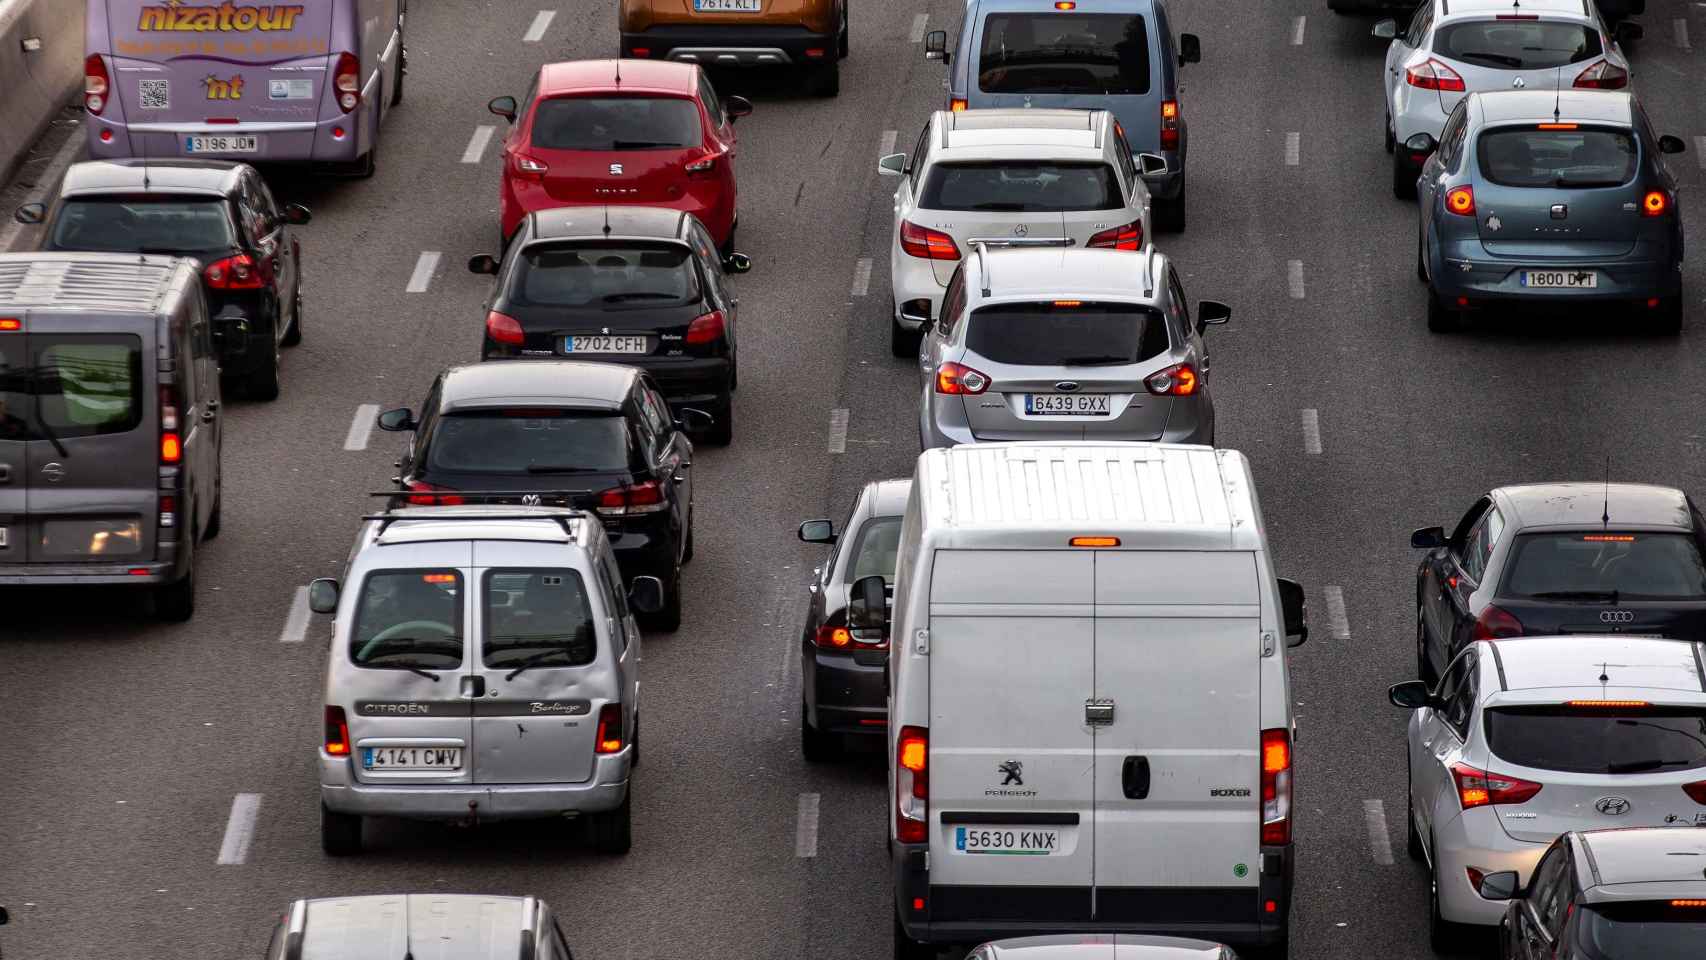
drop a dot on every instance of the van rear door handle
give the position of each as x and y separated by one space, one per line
1134 778
1099 713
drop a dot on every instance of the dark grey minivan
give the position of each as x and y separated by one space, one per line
1116 55
109 423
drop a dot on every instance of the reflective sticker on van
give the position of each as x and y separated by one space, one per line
290 89
154 94
225 17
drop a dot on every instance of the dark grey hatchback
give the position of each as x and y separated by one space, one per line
1550 198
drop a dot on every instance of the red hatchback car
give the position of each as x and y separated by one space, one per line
621 131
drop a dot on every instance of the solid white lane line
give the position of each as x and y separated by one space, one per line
361 427
1700 151
424 267
240 829
1338 623
1311 431
1379 841
918 23
1293 146
862 277
838 430
296 622
541 23
887 145
1294 277
1681 33
1297 25
805 834
477 143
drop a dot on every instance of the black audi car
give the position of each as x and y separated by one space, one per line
596 436
220 214
636 285
1554 558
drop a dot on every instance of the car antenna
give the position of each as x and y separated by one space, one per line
618 71
607 220
1557 94
408 934
1605 510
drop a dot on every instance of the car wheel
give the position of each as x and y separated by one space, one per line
1391 141
906 948
1403 177
213 520
340 833
1443 935
1441 318
815 745
402 69
175 602
903 343
668 619
293 333
1273 951
1169 215
829 79
842 45
687 549
613 831
1667 319
1412 839
262 383
1421 261
721 432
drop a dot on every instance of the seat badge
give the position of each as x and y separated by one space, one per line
1560 211
616 169
1495 224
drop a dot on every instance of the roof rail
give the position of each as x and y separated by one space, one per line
562 518
982 265
296 925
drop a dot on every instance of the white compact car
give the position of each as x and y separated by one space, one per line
1527 738
1454 47
1007 178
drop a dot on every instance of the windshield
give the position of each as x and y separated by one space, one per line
1518 44
599 275
1599 740
1654 930
616 123
874 553
537 618
520 442
1633 566
1047 334
409 620
1064 53
1531 157
1021 187
134 225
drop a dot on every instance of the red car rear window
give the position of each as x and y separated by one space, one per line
616 123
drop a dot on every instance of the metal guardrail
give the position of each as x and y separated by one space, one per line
41 53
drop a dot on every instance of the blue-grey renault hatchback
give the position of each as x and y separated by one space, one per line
1552 198
1116 55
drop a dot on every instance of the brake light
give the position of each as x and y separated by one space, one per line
631 498
912 785
236 273
346 78
1169 124
529 168
1603 75
957 379
503 328
1276 786
1496 623
1654 204
610 728
1431 74
926 243
95 84
1093 542
1178 380
1128 236
1696 791
1609 704
1461 201
1478 788
841 638
703 164
427 495
1065 5
956 104
337 732
705 328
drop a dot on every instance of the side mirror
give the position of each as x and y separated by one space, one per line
1411 695
31 213
936 45
646 594
694 419
484 263
1295 607
1151 164
737 107
1386 29
1627 33
323 595
1670 144
737 263
503 107
1502 885
868 608
893 165
398 420
817 531
1428 538
1190 49
297 215
1212 313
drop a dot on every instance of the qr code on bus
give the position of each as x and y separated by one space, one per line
155 94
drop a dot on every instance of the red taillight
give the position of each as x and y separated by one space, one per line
1496 623
530 169
428 495
96 83
639 51
1276 786
235 273
1178 380
1603 75
705 328
503 328
171 444
1655 203
960 380
1461 201
337 732
703 164
1128 236
1169 124
346 79
912 785
1430 74
632 498
926 243
171 448
956 104
610 728
1477 788
1696 791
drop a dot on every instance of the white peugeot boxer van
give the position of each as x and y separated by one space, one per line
1090 724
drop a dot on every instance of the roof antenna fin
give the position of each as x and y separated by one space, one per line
1605 510
1557 94
618 71
408 934
607 220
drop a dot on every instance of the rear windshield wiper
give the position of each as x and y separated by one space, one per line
47 431
1609 596
535 660
639 295
1583 184
1502 59
639 144
413 666
1093 358
1001 207
1638 766
560 468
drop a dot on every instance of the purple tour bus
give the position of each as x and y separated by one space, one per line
300 82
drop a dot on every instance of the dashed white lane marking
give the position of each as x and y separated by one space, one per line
477 143
1700 151
1338 623
1294 277
541 23
424 268
361 427
838 430
1293 146
1681 32
1297 25
1379 841
918 23
1311 431
296 622
240 829
862 277
886 147
805 834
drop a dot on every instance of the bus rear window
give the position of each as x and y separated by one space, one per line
1094 54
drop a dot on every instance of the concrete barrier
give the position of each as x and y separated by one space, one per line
41 68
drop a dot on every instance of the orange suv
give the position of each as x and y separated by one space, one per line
741 33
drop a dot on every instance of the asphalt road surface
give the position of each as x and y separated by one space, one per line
157 783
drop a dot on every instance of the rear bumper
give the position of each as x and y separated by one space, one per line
1466 269
1187 423
842 694
309 141
88 574
605 790
733 44
1474 838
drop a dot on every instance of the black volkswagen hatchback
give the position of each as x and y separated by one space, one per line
636 285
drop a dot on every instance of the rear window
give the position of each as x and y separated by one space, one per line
1592 566
87 385
1021 187
537 618
1045 334
1518 44
1064 53
616 123
1654 930
164 225
409 620
14 387
589 275
874 554
533 441
1599 740
1532 157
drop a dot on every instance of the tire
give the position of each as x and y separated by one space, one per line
293 333
175 602
1403 178
363 167
1169 215
816 746
1273 951
1391 141
1412 839
906 948
828 79
1441 318
903 343
728 246
402 69
668 620
842 44
262 381
721 433
1421 262
340 833
1667 319
612 832
687 549
213 520
1443 935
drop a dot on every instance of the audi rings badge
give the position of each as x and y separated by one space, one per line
1617 616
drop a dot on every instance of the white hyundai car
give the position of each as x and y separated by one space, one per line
1454 47
1527 738
1007 178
